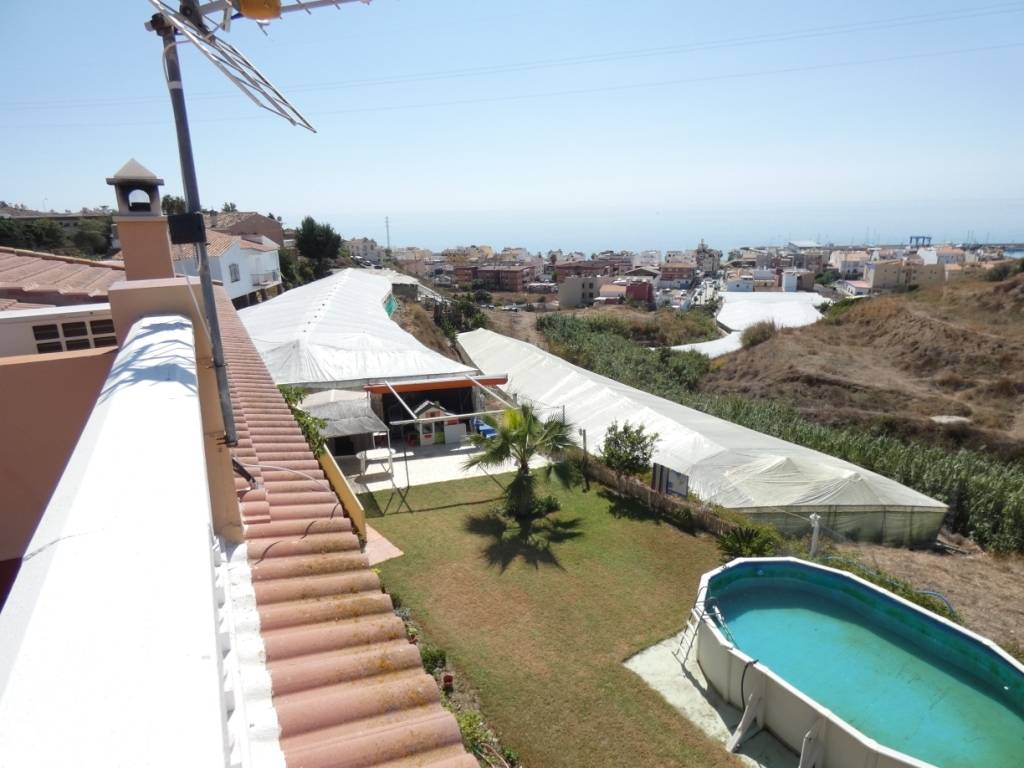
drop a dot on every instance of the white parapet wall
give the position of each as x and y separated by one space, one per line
109 651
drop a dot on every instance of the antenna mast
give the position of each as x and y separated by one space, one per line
196 22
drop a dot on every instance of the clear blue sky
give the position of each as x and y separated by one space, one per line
574 124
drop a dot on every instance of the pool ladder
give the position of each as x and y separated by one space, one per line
697 614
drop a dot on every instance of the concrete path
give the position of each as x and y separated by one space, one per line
379 549
688 691
426 464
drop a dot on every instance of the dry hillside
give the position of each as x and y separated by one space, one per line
419 322
896 361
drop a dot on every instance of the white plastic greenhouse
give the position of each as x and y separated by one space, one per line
726 464
337 333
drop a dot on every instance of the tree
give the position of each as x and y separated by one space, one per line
173 204
295 271
44 233
229 208
521 436
320 244
627 449
93 237
12 234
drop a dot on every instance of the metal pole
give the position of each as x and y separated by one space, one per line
815 530
191 187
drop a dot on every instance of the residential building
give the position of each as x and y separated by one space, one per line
463 254
739 282
514 255
412 253
504 277
580 268
791 280
891 275
849 264
853 288
365 249
246 223
579 291
709 261
249 267
646 274
943 254
650 258
677 274
464 275
273 639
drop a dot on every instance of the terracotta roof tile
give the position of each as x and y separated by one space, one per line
28 275
348 688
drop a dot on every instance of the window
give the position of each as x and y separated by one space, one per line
235 275
74 334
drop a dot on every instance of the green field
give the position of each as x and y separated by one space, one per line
541 626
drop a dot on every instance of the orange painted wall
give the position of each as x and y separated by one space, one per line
45 401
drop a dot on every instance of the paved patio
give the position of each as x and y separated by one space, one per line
686 689
420 466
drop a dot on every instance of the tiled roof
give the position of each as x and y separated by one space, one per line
217 244
28 275
15 304
228 220
348 688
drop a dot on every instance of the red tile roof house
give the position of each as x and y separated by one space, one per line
167 610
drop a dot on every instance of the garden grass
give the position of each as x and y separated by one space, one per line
541 630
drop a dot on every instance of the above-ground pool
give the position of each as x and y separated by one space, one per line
833 664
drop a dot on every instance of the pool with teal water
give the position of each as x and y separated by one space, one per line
903 677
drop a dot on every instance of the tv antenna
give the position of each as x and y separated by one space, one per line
198 23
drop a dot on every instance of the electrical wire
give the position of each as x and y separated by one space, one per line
557 94
309 527
873 25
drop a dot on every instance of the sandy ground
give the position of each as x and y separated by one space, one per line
987 591
518 325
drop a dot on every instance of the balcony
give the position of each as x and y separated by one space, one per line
264 279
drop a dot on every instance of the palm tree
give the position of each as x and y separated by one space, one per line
522 435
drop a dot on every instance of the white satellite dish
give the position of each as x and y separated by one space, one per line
197 23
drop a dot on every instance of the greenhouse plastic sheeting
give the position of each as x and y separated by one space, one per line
346 412
335 332
727 464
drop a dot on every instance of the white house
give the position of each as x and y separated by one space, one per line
248 265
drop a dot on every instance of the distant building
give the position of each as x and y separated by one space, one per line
943 254
891 275
514 254
412 253
505 278
677 275
577 291
742 283
365 249
849 264
246 223
853 288
647 259
464 275
646 274
567 269
792 280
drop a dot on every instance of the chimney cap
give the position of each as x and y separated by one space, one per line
134 171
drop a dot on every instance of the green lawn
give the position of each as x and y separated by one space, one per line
542 631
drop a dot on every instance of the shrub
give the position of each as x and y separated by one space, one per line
758 333
1004 270
748 541
311 426
433 658
627 449
473 730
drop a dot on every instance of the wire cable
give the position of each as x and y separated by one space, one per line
312 522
